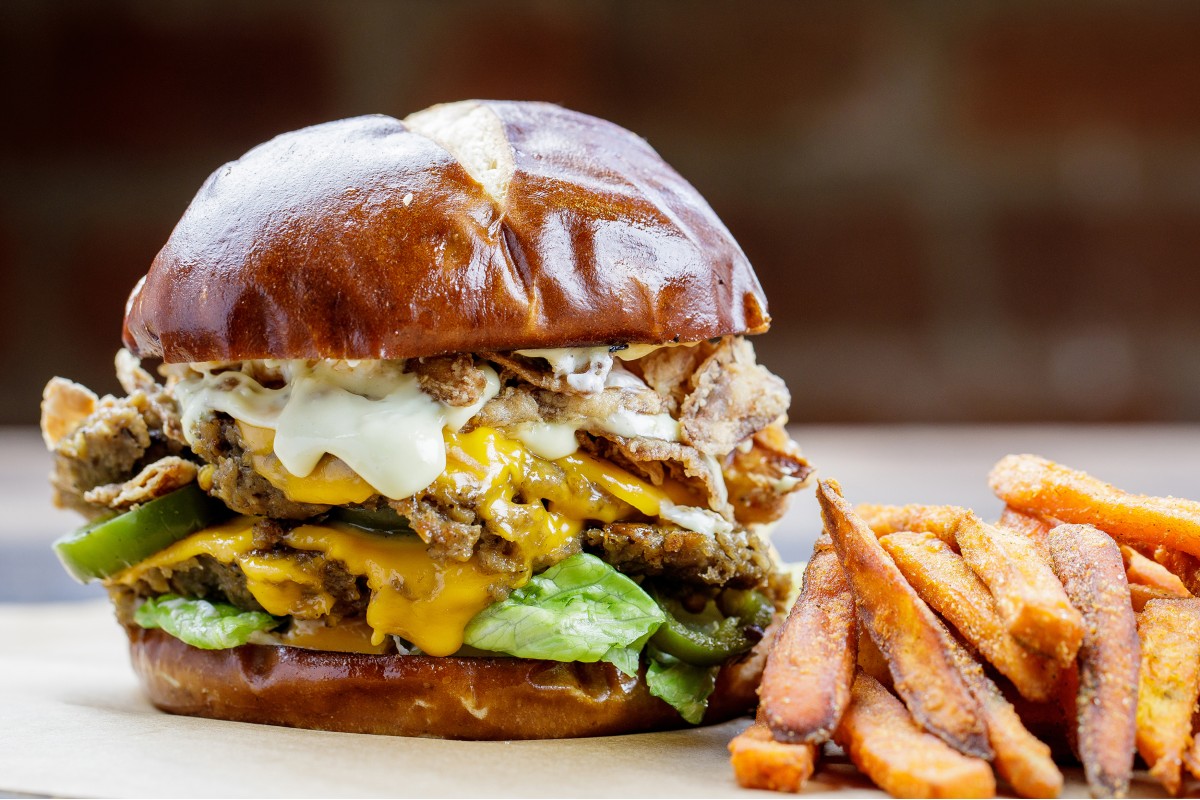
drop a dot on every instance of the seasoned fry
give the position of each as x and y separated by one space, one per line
946 583
1184 566
870 660
1029 525
1139 595
907 632
884 741
1091 569
941 521
1029 598
1169 631
1021 759
1144 572
1032 483
760 762
806 682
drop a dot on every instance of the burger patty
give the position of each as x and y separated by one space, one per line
234 479
738 559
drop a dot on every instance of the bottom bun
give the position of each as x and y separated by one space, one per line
448 698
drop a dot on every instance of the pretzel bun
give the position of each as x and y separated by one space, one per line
451 698
467 227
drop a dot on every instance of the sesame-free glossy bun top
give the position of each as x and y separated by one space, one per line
473 226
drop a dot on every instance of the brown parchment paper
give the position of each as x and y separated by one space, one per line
72 722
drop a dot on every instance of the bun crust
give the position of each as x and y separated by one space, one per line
450 698
501 225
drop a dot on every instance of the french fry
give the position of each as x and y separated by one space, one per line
1029 525
1021 758
1089 564
884 741
1030 600
1184 566
946 583
1032 483
1146 572
760 762
871 660
1139 595
806 682
1169 631
907 632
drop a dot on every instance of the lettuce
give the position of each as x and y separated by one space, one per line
684 686
581 609
210 626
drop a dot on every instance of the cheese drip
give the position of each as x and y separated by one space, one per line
370 414
540 506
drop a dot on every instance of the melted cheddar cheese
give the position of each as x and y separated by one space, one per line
538 505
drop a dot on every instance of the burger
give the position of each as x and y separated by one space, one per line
456 432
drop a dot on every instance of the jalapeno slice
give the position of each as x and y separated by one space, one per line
709 637
107 546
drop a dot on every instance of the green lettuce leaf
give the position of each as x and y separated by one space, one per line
684 686
210 626
581 609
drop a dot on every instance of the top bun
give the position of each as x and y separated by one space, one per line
467 227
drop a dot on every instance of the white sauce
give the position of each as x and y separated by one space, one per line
700 520
370 414
590 369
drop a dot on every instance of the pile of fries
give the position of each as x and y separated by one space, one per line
932 646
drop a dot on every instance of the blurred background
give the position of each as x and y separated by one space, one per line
961 212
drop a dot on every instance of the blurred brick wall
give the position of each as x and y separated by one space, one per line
959 211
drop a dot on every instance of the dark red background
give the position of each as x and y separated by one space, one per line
959 211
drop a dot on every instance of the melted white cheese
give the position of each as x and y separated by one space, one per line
370 414
700 520
552 440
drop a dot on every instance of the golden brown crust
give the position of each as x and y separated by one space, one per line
363 239
451 698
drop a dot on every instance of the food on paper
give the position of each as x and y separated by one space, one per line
459 432
884 741
1130 685
761 762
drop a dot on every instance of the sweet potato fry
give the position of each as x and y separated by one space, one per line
1029 598
1029 525
760 762
907 632
1021 758
884 741
946 583
1184 566
1139 595
871 660
1169 684
806 682
1032 483
1089 564
1145 572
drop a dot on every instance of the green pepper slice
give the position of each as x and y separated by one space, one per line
107 546
379 520
708 638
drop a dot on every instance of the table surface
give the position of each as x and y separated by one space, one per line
65 686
